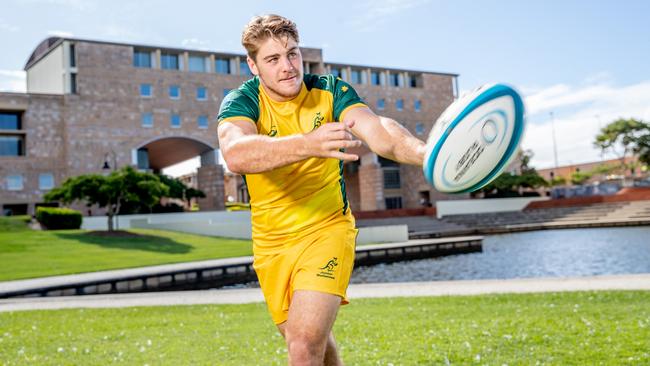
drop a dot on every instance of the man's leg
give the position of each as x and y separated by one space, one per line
308 330
331 353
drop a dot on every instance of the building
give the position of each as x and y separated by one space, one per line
615 172
92 106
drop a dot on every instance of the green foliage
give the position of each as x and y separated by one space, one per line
508 184
124 186
557 181
625 136
14 223
54 218
579 178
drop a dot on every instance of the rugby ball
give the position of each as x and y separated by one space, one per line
474 139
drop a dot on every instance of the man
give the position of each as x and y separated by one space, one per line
279 131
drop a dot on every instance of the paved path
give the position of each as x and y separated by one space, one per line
242 296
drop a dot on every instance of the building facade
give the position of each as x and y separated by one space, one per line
92 107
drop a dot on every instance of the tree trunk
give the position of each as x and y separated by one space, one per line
110 217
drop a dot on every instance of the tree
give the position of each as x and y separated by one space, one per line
124 186
625 137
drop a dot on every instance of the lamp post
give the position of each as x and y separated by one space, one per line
113 168
554 141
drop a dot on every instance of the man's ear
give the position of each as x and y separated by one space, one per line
252 66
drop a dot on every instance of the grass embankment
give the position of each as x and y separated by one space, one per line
26 253
579 328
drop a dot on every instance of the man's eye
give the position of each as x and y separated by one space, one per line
292 54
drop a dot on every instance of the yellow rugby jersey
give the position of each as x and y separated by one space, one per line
302 197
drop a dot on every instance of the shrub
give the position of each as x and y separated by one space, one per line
53 218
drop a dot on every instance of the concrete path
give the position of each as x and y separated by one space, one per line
242 296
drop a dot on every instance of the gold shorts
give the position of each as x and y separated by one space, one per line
321 261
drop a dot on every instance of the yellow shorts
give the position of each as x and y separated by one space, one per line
321 261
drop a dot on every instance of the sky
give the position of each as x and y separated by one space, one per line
586 62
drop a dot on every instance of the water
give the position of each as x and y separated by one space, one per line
553 253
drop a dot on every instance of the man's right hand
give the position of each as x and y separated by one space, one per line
327 140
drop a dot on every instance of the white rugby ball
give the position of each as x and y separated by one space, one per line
474 139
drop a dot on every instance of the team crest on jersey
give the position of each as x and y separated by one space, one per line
327 270
344 88
273 132
318 120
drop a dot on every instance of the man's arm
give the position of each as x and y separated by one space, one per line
247 152
386 137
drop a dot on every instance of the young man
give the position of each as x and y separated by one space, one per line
280 131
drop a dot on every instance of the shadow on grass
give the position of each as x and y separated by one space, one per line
128 240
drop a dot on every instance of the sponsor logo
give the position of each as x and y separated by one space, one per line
344 88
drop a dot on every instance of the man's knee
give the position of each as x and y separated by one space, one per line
301 342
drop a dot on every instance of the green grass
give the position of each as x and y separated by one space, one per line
579 328
26 253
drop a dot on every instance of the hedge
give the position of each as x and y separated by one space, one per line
53 218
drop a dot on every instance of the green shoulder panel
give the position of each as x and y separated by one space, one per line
242 102
343 93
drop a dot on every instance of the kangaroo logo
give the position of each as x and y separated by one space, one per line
328 269
318 120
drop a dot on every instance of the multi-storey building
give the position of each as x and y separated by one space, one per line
93 106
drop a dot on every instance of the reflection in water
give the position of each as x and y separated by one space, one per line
555 253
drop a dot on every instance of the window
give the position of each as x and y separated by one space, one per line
12 145
393 203
73 56
15 182
147 119
344 74
391 178
169 61
201 93
145 90
413 81
336 72
419 128
381 104
73 83
142 59
417 105
374 78
175 121
203 121
355 77
197 64
364 77
45 181
394 79
244 70
222 65
10 121
399 104
143 158
174 91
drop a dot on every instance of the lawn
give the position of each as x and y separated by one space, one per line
577 328
26 253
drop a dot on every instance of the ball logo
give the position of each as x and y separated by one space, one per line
474 139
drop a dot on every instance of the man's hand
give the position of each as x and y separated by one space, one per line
327 140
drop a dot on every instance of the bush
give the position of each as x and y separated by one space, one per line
53 218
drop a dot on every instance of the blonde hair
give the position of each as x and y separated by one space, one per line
263 27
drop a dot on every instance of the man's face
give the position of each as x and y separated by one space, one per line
279 66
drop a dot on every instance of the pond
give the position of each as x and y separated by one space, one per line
552 253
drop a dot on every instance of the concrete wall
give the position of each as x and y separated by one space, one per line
459 207
227 224
47 76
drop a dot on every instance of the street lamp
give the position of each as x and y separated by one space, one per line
554 141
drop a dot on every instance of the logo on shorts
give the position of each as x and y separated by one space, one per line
328 269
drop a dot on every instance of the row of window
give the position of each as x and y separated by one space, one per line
399 105
174 120
376 77
174 92
174 61
16 182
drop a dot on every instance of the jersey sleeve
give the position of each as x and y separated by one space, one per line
239 105
345 98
